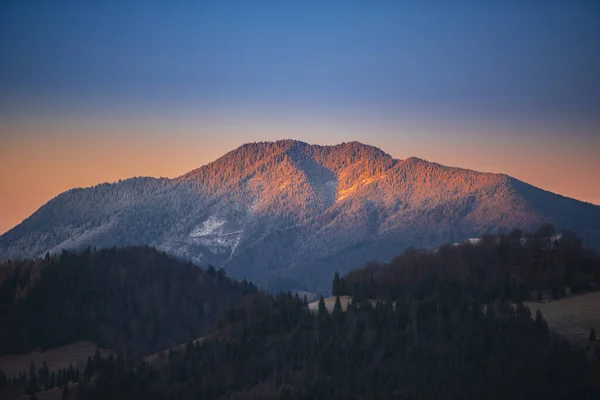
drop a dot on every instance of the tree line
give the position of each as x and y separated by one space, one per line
275 347
513 266
444 324
134 300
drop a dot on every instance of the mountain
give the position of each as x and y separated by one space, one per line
287 214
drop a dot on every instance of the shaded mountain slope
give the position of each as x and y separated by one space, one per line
280 212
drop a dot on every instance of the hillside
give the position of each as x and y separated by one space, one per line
74 354
283 213
448 323
132 300
275 347
514 266
572 317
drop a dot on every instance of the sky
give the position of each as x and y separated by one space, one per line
98 91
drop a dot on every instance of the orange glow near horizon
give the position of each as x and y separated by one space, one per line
38 165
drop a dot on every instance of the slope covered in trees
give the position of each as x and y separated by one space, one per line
277 348
446 324
287 214
511 266
134 300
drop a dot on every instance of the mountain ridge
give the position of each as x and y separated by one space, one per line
283 210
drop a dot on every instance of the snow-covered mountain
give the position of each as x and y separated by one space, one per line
288 214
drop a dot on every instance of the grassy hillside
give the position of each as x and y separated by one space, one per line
572 317
59 358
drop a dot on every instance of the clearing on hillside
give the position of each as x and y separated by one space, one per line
75 353
161 356
330 302
51 394
571 317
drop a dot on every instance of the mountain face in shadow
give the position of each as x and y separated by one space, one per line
287 214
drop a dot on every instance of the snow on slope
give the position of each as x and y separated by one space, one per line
213 235
268 211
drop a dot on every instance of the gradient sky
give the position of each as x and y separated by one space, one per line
94 91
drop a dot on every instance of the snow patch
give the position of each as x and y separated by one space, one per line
212 235
210 226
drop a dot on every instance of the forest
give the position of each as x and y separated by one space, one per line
134 300
514 266
445 324
274 347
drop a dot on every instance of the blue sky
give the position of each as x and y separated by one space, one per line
514 60
94 91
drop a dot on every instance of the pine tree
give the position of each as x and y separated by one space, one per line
3 379
89 368
540 322
337 308
97 361
65 392
72 374
338 313
32 385
335 286
358 333
322 308
44 375
52 380
353 305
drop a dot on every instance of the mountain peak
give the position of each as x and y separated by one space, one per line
413 160
284 209
253 154
290 144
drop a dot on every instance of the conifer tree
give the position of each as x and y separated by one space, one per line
3 379
65 392
32 385
322 308
338 313
540 322
336 285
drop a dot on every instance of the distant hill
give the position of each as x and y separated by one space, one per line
286 214
444 323
134 300
506 266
